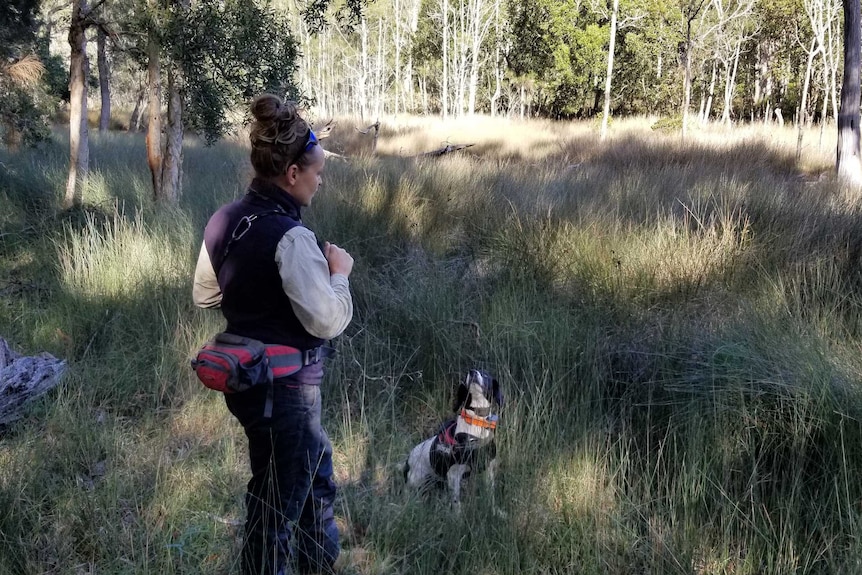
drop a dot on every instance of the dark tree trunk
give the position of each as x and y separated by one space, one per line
172 166
104 81
848 165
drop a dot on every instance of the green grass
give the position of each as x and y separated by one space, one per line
676 327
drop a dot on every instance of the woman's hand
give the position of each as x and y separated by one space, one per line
340 262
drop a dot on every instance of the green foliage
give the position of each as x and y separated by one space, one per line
227 52
531 43
667 124
21 118
24 105
18 23
56 76
347 13
565 46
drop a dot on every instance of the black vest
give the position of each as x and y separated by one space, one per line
253 300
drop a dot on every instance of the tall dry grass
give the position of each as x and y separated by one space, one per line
676 326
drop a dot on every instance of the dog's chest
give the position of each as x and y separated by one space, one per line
451 449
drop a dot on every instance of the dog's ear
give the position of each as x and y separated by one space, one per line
461 394
497 391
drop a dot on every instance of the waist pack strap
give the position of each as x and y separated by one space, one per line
285 360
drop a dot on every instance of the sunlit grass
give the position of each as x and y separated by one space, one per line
120 258
676 325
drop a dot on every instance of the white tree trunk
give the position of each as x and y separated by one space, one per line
364 71
444 89
706 110
803 106
79 135
606 112
379 74
730 86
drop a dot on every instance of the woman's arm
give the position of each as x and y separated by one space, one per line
320 300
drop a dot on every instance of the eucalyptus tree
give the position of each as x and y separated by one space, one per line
733 27
824 17
613 14
217 55
84 16
690 11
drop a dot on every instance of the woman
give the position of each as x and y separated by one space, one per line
275 283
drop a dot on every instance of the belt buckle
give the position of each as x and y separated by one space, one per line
312 356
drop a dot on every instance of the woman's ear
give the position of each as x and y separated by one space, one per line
291 173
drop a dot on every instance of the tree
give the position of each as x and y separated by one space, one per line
218 54
614 26
79 136
83 18
690 11
154 90
848 164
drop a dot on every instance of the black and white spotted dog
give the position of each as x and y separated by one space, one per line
464 445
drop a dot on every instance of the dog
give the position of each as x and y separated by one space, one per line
463 445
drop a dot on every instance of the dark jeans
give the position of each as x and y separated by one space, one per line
290 524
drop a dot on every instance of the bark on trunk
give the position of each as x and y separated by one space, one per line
729 86
79 149
154 127
172 167
849 165
104 81
707 107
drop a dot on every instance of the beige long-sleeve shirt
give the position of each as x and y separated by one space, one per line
322 302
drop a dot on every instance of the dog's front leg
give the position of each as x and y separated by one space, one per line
454 477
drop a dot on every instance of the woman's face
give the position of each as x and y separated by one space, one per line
308 179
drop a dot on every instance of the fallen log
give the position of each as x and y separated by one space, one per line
23 379
448 148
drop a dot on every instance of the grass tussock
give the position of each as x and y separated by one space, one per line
676 326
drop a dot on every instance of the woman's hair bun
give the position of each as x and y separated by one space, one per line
266 108
277 134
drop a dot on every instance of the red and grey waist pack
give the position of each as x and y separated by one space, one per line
230 363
